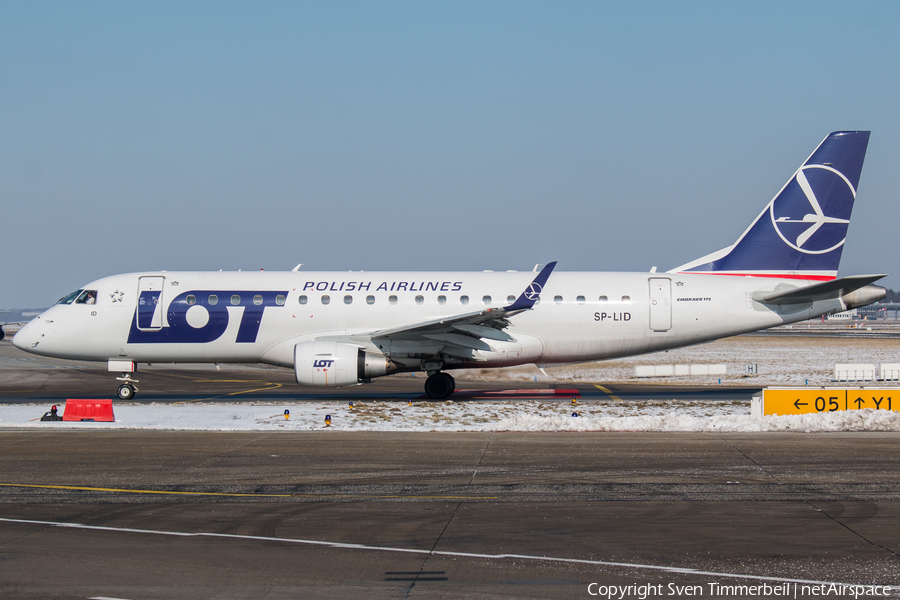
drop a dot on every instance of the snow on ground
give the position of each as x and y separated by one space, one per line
515 415
782 361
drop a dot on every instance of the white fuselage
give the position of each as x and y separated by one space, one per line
261 316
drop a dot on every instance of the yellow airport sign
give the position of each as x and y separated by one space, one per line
803 400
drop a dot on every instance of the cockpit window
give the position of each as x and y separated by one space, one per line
70 298
87 297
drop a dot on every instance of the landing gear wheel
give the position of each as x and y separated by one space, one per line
126 392
439 386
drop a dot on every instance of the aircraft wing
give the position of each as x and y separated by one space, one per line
822 291
461 336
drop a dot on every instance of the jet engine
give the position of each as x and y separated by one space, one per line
321 363
864 296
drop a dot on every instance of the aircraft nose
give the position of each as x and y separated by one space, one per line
23 339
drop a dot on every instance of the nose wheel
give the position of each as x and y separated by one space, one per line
439 386
127 390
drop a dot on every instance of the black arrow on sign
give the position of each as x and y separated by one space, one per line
798 404
859 402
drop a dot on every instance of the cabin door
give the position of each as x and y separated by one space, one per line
660 303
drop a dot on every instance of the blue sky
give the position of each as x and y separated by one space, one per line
424 135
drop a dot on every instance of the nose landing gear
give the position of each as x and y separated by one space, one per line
439 386
127 390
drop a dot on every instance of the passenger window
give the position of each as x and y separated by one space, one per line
392 299
557 299
213 299
604 299
442 299
463 299
302 299
370 299
348 299
420 300
626 299
510 299
191 299
486 300
326 299
235 300
580 299
257 300
70 298
279 299
87 297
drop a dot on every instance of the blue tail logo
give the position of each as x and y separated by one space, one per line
801 232
814 232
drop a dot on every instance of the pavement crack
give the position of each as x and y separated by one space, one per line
850 529
750 458
216 457
27 535
431 551
481 458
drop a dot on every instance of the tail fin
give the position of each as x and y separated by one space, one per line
801 232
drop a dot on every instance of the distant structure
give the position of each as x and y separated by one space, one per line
847 315
887 311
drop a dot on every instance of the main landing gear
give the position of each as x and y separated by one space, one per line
439 386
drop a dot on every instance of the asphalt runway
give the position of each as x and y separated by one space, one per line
164 514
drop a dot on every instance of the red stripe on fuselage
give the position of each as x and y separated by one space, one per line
773 275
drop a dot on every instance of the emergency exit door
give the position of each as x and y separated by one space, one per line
660 303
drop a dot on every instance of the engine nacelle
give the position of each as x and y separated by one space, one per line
334 364
864 296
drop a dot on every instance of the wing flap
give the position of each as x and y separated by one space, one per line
456 339
490 333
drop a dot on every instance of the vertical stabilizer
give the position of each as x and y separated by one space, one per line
801 232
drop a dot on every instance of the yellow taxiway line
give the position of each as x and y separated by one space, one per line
608 391
239 495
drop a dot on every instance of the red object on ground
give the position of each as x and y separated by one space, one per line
89 410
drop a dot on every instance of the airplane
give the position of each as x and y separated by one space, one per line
346 328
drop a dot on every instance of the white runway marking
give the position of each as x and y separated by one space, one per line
431 552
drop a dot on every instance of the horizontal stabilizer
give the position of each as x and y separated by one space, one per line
826 290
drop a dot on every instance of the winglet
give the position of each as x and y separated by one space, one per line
533 292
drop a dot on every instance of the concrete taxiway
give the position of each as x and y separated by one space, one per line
251 515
